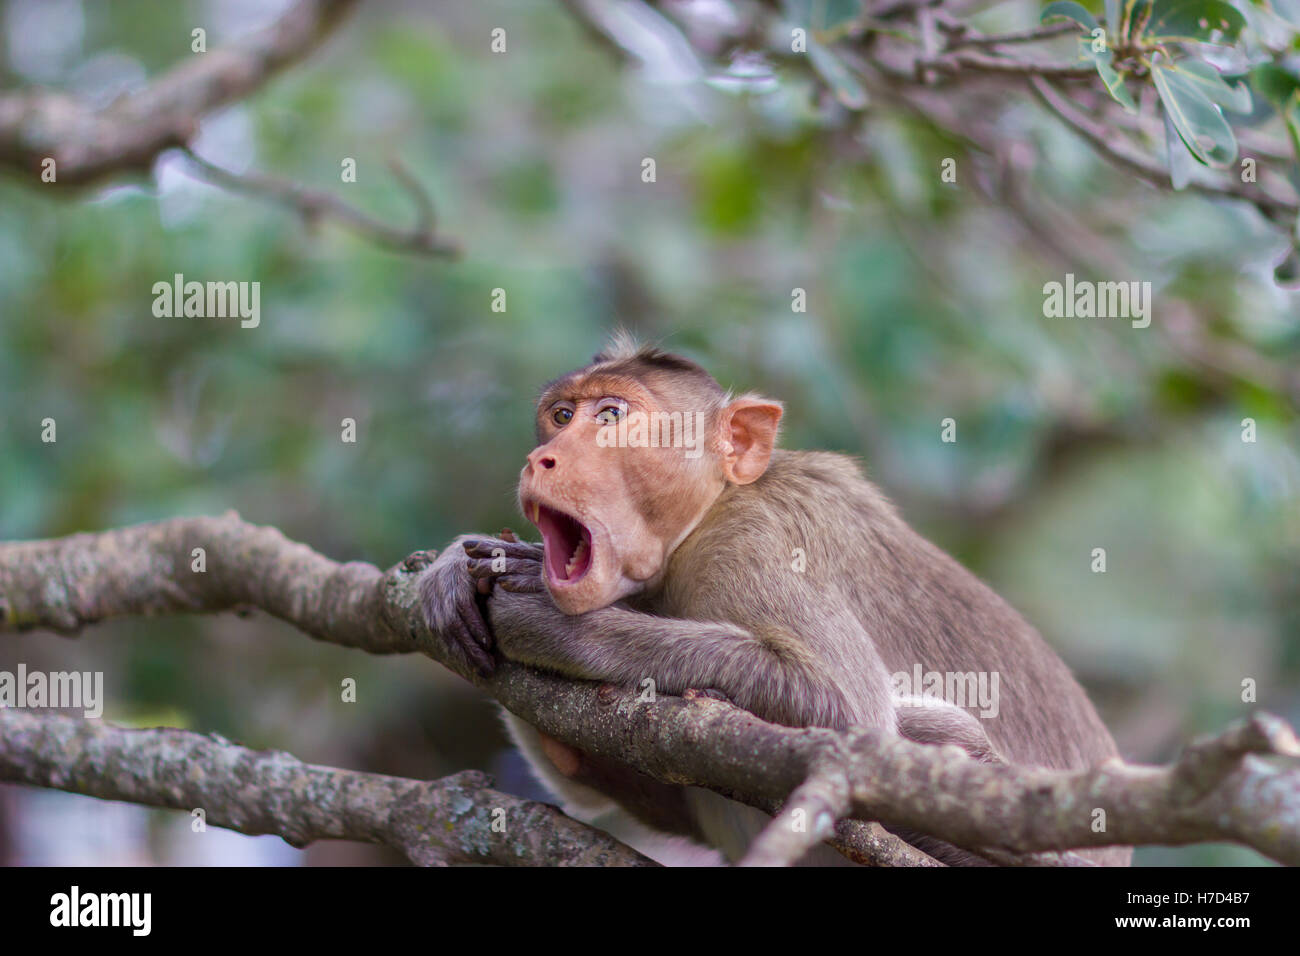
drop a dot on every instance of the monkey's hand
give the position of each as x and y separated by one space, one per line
451 599
507 563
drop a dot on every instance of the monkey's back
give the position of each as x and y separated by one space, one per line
913 604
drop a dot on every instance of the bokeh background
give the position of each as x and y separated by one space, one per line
925 301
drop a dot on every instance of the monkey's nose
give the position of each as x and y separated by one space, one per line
541 461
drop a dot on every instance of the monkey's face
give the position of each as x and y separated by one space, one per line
610 500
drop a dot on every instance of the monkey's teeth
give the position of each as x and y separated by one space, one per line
537 512
579 553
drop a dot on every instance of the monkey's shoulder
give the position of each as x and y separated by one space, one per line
810 485
807 505
826 467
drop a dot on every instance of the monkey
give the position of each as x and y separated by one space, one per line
784 581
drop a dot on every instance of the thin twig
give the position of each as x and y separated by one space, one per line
983 63
312 204
1122 153
808 818
961 35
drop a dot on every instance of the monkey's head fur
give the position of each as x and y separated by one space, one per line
632 450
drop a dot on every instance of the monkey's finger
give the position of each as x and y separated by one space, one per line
481 568
503 549
521 583
479 659
513 549
457 636
508 535
485 546
523 578
473 622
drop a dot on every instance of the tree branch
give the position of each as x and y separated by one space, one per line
807 818
962 35
971 63
128 135
1120 152
1221 789
313 204
457 819
985 63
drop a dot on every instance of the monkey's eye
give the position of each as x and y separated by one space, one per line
609 415
562 416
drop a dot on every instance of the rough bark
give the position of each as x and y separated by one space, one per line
458 819
1242 786
128 135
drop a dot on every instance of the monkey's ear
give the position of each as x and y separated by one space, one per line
748 437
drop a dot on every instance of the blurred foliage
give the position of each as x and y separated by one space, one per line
924 302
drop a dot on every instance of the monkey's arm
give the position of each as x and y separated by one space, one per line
768 671
767 675
765 666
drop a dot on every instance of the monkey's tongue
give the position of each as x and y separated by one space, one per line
567 544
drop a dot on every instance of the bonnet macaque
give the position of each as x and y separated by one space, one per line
688 550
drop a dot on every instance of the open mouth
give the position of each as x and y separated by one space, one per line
567 544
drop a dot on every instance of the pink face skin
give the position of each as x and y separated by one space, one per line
611 516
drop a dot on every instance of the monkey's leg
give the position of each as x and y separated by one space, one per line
591 786
935 721
652 817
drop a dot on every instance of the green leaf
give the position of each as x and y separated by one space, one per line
1112 77
1113 9
1068 8
1180 160
1288 10
1199 123
823 15
1276 84
1293 134
1136 12
1287 272
1114 81
1216 89
1281 88
838 77
1197 20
